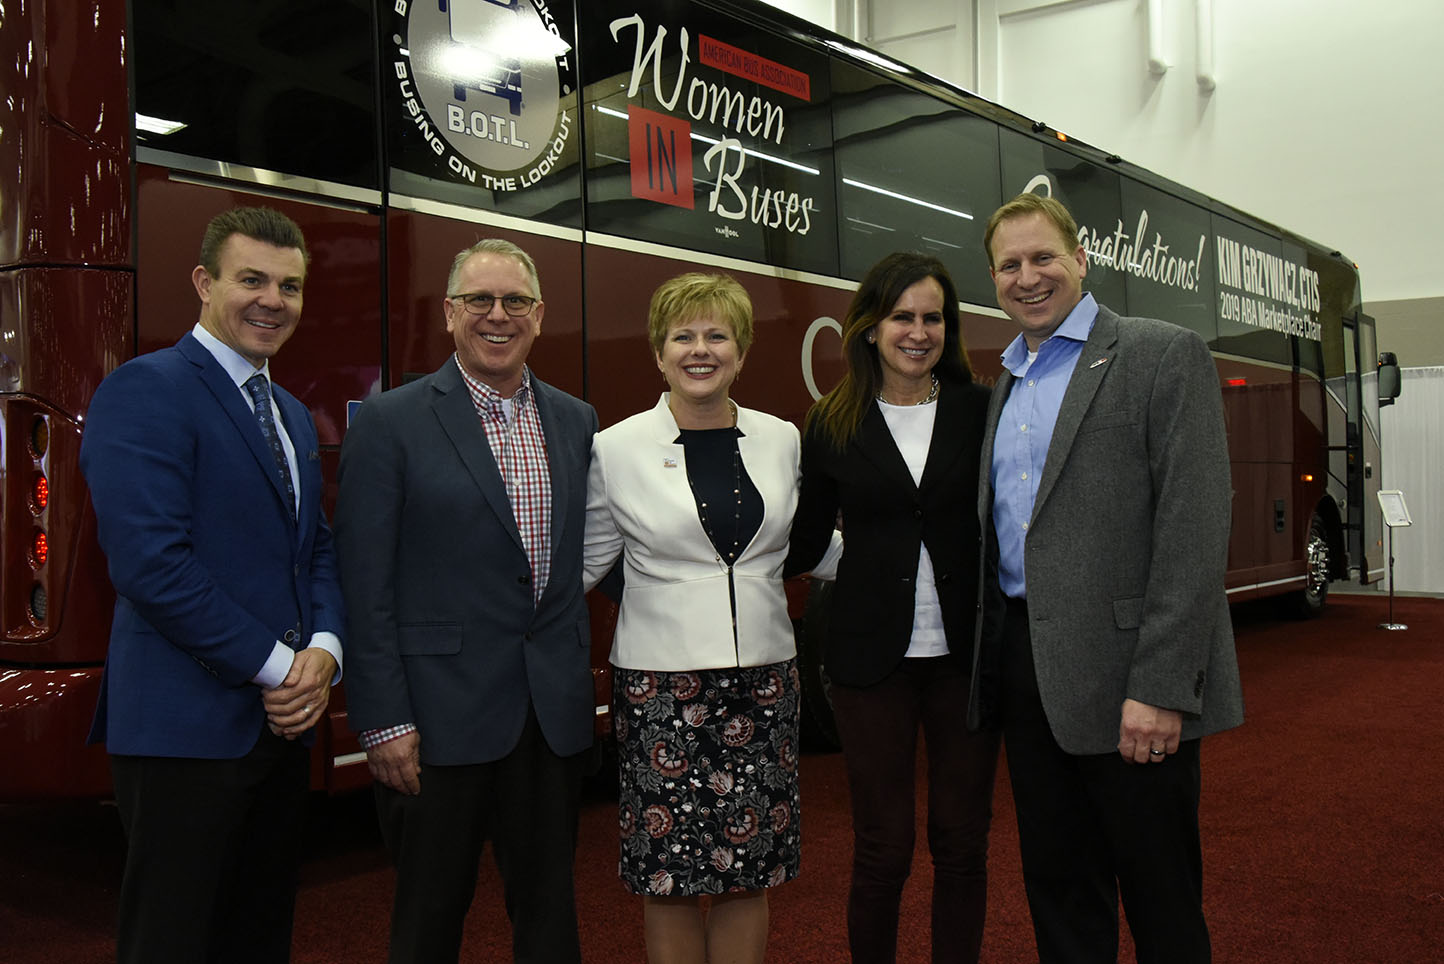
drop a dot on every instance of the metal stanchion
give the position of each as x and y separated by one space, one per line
1395 514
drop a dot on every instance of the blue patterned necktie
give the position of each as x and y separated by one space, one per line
260 391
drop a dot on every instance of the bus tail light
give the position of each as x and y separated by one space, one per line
38 455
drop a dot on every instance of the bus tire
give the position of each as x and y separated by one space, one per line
818 725
1308 602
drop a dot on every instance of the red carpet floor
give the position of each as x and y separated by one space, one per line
1323 833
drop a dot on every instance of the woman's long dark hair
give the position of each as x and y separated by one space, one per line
839 413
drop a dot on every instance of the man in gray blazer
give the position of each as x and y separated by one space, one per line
1105 649
459 532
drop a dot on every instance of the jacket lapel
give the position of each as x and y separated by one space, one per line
1094 363
561 478
297 421
875 443
228 396
461 424
990 434
947 425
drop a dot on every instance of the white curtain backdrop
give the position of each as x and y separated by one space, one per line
1413 456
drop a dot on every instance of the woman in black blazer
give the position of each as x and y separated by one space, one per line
893 452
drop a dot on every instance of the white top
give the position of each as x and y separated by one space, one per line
912 432
676 614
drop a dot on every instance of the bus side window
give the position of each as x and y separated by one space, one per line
1170 271
914 174
288 88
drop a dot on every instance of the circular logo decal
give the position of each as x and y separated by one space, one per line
488 75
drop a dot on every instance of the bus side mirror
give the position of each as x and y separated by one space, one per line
1389 384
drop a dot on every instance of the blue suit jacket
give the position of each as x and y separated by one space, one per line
443 630
208 568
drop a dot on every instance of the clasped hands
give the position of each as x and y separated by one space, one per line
299 703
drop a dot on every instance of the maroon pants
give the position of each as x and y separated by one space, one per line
879 727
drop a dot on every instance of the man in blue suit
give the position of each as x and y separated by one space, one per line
206 484
459 531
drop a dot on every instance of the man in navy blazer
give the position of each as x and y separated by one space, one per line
459 529
1105 649
225 641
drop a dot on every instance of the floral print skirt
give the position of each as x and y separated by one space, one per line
708 778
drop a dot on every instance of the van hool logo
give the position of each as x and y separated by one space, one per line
482 82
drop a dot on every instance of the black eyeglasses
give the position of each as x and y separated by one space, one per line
479 304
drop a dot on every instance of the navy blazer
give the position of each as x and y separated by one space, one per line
887 518
443 632
209 570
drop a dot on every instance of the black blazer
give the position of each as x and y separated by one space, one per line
886 519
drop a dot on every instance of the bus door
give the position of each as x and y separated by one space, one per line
1365 527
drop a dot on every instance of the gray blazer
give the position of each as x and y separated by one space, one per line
437 584
1128 545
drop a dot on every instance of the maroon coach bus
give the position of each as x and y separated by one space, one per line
619 144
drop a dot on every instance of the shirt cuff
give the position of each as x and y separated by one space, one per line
276 668
370 739
331 643
826 568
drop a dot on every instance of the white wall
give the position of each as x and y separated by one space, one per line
820 12
1326 118
1413 457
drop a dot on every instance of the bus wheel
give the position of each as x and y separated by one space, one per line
1309 601
819 727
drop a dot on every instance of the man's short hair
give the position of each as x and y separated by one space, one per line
688 297
1029 203
259 224
493 246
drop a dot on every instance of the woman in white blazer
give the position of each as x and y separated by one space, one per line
696 495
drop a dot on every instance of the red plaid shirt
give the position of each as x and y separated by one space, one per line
520 450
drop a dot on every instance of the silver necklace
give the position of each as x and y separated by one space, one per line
932 394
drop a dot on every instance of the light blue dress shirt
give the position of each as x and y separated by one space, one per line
1025 429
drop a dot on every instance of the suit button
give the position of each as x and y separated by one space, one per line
917 513
527 637
523 580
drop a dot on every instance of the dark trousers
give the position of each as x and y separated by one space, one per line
1094 827
212 850
879 729
527 804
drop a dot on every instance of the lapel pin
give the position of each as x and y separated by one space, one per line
669 463
1098 362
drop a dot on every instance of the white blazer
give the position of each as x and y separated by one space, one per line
675 613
